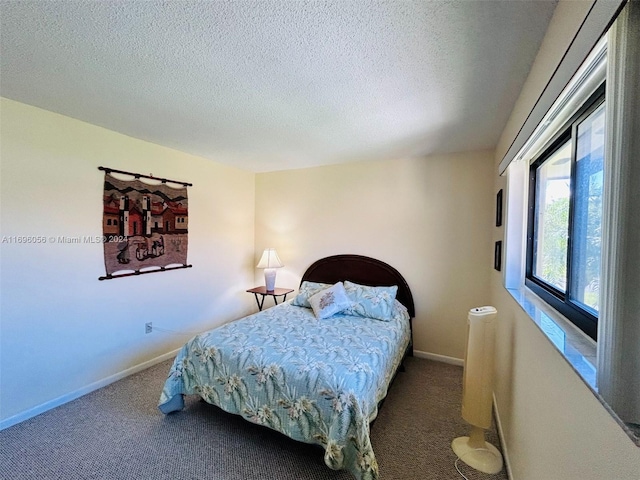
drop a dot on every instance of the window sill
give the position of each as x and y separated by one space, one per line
576 347
579 350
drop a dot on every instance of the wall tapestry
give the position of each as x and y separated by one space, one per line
145 224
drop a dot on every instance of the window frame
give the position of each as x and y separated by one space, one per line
582 318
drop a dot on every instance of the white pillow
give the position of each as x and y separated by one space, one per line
330 301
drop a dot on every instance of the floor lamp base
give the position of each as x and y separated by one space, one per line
485 457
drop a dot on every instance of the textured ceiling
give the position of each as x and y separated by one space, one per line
271 85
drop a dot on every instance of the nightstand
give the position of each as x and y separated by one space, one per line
262 291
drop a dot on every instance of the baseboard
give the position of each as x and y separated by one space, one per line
503 443
439 358
56 402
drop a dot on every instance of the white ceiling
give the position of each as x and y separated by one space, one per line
272 85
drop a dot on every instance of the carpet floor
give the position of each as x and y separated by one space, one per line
117 433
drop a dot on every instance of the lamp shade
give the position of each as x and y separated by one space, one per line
270 259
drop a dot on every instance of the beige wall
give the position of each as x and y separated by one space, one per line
554 427
430 218
62 330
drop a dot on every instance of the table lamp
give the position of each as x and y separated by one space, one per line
270 261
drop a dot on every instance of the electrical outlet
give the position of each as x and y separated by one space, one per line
148 328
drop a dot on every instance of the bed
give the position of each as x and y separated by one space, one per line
316 380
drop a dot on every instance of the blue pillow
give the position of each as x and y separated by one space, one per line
371 302
307 290
400 312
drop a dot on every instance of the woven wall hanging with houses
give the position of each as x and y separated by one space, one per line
145 224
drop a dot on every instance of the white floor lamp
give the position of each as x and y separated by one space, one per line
477 392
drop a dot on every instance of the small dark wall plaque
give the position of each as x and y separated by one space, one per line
497 256
499 209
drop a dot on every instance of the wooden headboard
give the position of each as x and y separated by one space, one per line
362 270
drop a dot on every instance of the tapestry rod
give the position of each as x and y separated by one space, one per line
138 272
139 175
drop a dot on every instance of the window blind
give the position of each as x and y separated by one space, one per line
596 23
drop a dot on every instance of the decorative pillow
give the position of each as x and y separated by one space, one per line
372 302
330 301
308 289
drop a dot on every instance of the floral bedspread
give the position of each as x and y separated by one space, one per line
316 381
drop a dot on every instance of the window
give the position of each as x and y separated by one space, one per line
577 116
565 216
